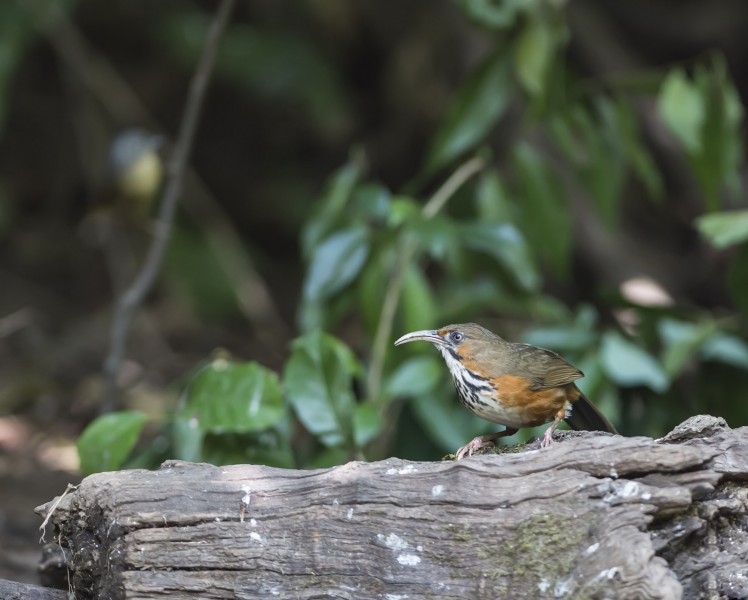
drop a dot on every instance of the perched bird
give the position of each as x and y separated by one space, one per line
136 170
515 385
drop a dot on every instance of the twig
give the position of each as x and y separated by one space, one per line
134 295
43 527
454 183
15 321
104 83
404 256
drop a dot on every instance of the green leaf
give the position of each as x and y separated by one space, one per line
717 164
106 443
560 338
371 287
594 379
493 14
607 172
417 376
438 236
681 340
593 140
327 457
188 438
546 220
330 206
682 108
475 110
637 154
417 303
629 365
576 337
492 201
230 396
504 243
335 263
402 209
726 228
318 383
269 448
485 294
726 348
533 54
372 201
567 128
705 115
367 424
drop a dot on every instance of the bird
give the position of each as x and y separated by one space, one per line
512 384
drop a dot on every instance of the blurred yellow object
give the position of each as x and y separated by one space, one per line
143 178
137 169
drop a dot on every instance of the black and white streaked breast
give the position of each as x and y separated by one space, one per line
471 387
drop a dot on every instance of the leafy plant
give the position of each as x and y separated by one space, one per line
485 230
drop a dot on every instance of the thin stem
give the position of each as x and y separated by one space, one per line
115 95
454 183
406 250
134 295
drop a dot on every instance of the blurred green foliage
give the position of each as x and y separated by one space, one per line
107 442
495 245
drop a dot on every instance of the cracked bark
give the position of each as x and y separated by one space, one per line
593 516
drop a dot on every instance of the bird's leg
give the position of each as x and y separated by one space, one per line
482 441
548 435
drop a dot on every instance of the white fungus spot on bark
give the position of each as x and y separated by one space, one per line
393 541
593 548
409 560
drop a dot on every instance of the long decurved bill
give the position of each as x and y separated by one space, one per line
427 335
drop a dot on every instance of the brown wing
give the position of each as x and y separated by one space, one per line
546 369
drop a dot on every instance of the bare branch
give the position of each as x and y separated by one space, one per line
114 94
134 295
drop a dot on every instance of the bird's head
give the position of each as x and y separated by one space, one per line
455 341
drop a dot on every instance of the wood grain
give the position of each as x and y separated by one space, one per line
12 590
593 516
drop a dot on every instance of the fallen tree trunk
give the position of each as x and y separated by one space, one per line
12 590
593 516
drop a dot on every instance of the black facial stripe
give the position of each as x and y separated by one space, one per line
476 387
453 352
476 376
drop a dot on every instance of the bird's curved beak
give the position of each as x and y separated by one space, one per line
427 335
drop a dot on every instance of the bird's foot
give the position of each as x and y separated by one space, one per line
547 438
473 445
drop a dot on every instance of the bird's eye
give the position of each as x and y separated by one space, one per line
456 337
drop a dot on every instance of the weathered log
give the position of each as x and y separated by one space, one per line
12 590
593 516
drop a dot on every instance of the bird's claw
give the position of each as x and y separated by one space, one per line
473 445
547 438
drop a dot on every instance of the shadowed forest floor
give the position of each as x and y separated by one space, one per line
27 479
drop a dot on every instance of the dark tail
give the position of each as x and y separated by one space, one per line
586 417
